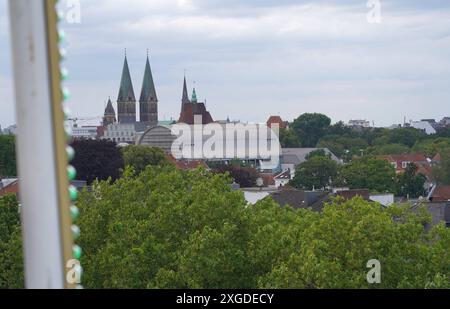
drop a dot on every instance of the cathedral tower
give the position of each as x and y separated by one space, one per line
148 102
110 114
126 101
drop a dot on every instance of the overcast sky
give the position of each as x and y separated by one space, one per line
255 58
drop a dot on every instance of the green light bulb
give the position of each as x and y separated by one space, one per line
73 193
67 113
76 252
70 153
60 15
62 54
66 94
61 36
74 212
71 173
64 74
75 232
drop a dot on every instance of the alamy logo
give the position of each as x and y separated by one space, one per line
74 271
374 275
228 141
70 11
374 15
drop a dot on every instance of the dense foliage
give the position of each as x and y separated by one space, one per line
310 128
371 173
97 159
316 130
7 156
316 173
167 228
410 184
172 229
243 175
11 260
139 157
442 172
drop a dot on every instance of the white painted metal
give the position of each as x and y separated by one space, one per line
35 145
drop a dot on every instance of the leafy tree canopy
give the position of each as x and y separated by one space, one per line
166 228
97 159
139 157
369 173
310 128
7 155
316 173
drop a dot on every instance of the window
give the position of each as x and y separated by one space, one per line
394 164
405 164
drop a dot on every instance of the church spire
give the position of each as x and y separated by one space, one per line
126 92
148 93
148 102
185 98
109 116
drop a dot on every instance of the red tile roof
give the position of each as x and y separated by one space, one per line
276 120
441 194
437 157
416 157
187 164
12 188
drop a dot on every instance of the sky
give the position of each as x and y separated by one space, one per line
250 59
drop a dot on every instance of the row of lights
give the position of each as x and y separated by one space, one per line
71 171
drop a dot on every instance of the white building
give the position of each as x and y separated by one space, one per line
87 132
291 157
424 126
121 133
282 179
359 123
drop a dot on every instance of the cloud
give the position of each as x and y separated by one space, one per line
254 58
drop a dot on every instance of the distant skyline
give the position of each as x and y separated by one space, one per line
255 58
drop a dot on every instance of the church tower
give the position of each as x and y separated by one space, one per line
126 101
185 97
110 114
148 102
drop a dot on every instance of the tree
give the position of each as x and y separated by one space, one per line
310 128
318 153
97 160
244 176
388 149
11 260
334 247
441 173
166 228
410 184
139 157
288 139
405 136
7 156
443 132
343 146
431 147
316 173
369 173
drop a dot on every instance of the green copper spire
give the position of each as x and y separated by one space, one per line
148 93
126 92
194 97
